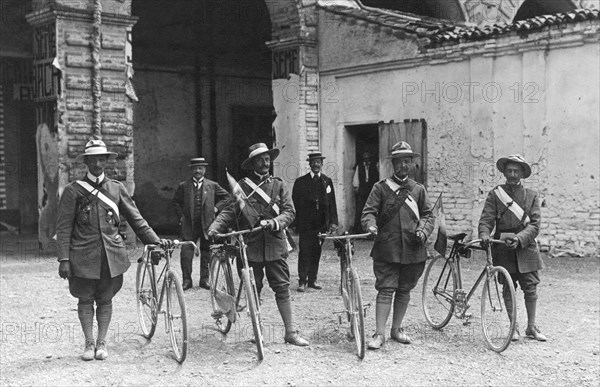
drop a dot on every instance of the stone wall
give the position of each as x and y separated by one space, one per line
482 101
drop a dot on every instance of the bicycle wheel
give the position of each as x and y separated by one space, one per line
498 321
254 310
357 313
176 316
439 284
145 292
222 293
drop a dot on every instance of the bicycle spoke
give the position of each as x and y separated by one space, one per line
176 316
498 316
439 284
146 299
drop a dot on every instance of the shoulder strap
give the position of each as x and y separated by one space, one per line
512 205
105 199
266 199
409 199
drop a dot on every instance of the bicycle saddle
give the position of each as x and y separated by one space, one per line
457 237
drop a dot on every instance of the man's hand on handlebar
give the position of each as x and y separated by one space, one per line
333 228
212 233
373 230
268 224
166 244
512 243
485 240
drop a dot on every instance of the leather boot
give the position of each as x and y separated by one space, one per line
103 316
532 330
382 312
291 334
509 308
85 313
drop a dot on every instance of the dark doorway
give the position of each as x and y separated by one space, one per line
250 125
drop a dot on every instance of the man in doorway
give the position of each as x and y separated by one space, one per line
514 212
196 201
399 213
366 174
91 251
270 205
314 198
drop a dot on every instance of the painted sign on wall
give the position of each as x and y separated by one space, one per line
285 62
46 74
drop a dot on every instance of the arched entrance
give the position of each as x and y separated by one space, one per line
205 82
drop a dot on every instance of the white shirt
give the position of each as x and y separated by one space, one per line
94 179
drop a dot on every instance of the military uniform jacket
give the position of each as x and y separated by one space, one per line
396 240
312 216
86 227
496 215
263 245
214 198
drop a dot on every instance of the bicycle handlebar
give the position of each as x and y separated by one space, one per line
236 233
176 243
478 241
347 236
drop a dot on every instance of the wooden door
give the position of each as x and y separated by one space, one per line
414 133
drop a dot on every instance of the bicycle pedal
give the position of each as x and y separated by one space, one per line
216 315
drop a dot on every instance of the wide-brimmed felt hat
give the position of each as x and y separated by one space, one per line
315 155
258 149
198 162
95 148
402 149
501 164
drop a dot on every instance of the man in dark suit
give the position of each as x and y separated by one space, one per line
197 200
91 251
514 211
366 174
314 198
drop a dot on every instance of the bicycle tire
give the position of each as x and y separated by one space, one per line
176 316
357 313
439 284
146 299
253 310
497 322
221 279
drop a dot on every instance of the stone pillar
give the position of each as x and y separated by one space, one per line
82 89
295 86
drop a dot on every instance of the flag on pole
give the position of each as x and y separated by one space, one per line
241 199
441 242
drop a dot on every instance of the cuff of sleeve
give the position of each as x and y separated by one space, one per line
63 259
276 224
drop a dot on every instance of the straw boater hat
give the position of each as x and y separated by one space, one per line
198 161
402 149
95 148
315 155
259 149
501 164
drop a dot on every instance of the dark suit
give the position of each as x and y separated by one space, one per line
314 200
196 210
366 181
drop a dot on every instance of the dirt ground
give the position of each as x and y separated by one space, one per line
41 341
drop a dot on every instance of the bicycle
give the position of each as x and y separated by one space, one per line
225 303
350 290
149 305
443 293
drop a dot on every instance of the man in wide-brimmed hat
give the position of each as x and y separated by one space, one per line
268 203
91 251
514 212
314 198
197 200
399 213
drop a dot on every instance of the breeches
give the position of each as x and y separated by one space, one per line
528 283
396 277
278 276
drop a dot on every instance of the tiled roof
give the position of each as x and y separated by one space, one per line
461 34
440 31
